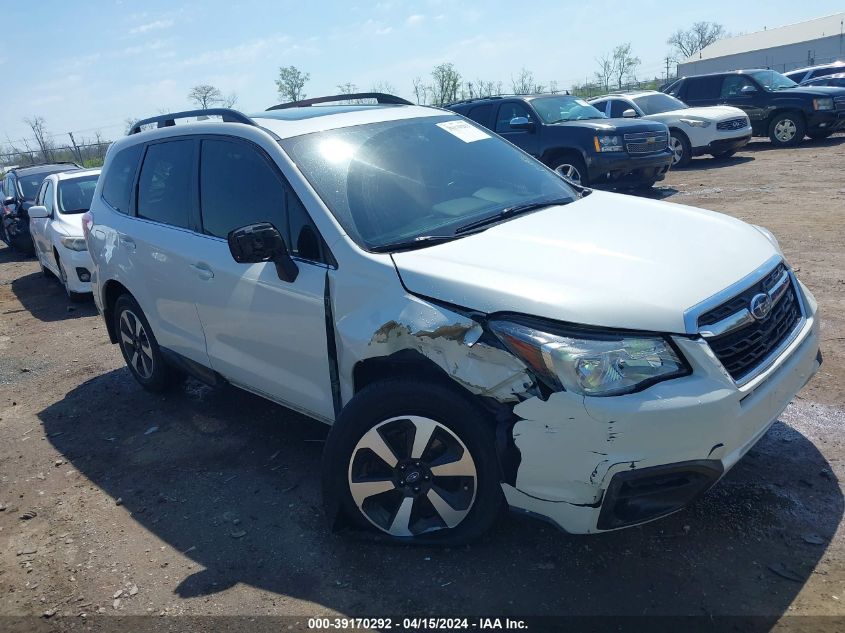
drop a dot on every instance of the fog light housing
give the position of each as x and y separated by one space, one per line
83 274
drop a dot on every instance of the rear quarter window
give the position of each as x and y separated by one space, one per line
118 180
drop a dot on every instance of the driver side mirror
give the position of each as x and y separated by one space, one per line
748 90
38 211
630 113
521 123
262 243
9 200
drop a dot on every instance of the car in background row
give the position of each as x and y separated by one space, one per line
716 130
837 81
20 186
55 224
575 139
777 106
801 75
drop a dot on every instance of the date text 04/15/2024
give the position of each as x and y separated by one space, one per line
416 624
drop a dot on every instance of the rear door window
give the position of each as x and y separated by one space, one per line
481 114
118 180
165 184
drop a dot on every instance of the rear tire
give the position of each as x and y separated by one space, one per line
681 149
399 429
572 168
140 349
787 129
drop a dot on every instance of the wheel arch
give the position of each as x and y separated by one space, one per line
556 153
784 110
112 290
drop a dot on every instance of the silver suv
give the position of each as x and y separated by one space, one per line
478 331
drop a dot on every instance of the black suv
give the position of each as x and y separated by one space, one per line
20 186
777 106
575 139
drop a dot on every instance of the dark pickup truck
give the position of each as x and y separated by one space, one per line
776 105
577 140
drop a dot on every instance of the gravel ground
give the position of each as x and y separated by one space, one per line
206 501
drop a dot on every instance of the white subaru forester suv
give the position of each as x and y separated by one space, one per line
477 331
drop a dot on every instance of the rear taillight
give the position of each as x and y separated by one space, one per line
87 224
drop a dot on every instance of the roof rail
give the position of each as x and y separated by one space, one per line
166 120
380 97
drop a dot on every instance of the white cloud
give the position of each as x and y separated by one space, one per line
415 19
151 26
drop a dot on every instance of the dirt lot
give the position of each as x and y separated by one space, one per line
206 501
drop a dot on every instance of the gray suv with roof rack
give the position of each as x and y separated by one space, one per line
478 332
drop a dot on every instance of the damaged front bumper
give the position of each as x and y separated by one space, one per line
592 464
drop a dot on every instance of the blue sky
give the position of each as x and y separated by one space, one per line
90 65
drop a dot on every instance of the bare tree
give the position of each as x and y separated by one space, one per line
553 87
690 41
348 88
624 63
39 131
230 100
446 82
607 68
205 96
383 86
291 82
420 91
524 84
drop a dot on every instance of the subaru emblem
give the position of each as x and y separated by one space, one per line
760 306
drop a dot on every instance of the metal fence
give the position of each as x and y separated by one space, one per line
86 154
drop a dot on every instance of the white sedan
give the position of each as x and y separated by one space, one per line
716 130
55 223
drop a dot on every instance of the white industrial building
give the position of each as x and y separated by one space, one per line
783 48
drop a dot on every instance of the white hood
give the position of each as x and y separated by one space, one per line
708 113
69 225
608 260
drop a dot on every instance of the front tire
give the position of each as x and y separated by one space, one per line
572 168
140 349
681 149
415 461
75 297
787 129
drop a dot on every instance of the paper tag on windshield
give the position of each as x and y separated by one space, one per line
463 130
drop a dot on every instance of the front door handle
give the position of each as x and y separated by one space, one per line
203 271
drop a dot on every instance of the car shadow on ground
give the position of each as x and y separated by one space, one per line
232 481
45 298
764 145
9 254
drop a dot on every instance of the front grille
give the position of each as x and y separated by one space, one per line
732 124
645 142
839 103
742 350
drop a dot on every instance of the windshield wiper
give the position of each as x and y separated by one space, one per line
417 242
509 212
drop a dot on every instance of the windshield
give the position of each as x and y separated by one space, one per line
657 103
30 183
772 80
563 108
397 181
75 195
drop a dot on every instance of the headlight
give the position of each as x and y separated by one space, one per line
823 103
696 122
74 243
609 143
592 364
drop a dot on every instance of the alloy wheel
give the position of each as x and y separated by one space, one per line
677 148
785 130
136 344
411 475
570 172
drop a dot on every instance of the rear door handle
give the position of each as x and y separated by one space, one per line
203 271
